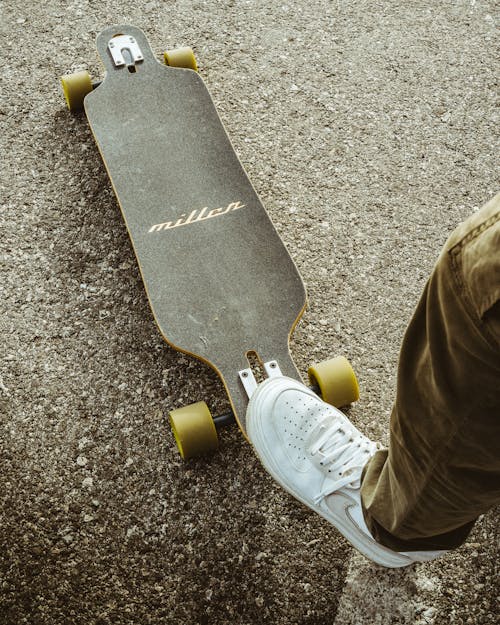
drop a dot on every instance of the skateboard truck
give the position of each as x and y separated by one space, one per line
125 50
248 380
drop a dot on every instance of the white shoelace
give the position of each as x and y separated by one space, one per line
341 451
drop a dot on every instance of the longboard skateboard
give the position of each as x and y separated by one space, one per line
221 283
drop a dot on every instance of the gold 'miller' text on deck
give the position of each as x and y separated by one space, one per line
195 216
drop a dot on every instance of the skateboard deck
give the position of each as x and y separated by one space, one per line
218 277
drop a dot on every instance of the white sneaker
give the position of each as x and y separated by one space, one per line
315 453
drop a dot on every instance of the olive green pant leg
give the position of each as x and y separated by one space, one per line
442 468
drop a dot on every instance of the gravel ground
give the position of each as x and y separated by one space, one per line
368 129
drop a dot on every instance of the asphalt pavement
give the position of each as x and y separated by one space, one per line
369 130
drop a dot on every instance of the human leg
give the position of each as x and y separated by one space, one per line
442 468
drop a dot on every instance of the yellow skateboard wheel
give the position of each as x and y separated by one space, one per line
194 430
181 57
336 381
75 88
